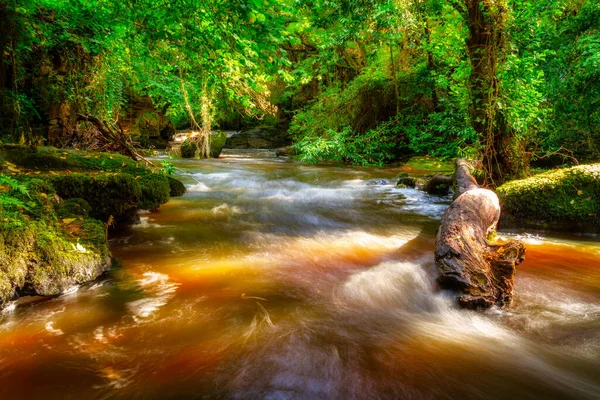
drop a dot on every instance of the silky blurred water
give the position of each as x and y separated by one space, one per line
271 279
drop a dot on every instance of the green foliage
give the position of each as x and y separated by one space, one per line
375 147
396 76
167 168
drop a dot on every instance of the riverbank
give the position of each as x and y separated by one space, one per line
57 208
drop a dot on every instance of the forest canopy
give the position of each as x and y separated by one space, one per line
354 81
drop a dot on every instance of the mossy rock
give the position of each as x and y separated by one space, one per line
188 149
176 188
75 207
405 180
565 199
46 257
155 191
155 187
191 146
108 194
217 142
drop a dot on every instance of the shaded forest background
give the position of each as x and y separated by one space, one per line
356 81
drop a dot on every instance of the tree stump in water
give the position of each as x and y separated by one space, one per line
482 274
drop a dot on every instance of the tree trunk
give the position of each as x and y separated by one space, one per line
504 154
481 273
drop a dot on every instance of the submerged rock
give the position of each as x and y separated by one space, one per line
566 199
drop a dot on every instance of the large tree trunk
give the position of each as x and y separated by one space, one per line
503 155
482 274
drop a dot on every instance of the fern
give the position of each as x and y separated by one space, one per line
8 202
14 185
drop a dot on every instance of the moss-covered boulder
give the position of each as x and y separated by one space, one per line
45 249
217 142
176 188
155 191
73 208
188 148
152 188
405 180
566 199
191 146
108 194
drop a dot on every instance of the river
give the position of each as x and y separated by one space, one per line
271 279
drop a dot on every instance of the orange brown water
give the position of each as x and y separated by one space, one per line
271 279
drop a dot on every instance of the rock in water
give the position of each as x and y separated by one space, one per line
481 273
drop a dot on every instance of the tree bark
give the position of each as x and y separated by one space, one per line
504 153
480 273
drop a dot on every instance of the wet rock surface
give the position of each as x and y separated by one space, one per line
259 138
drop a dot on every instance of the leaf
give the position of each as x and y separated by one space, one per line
68 220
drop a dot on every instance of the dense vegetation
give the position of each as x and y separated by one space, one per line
355 81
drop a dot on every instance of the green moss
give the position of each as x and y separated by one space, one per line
45 257
567 197
108 194
188 149
405 180
428 165
217 142
75 207
39 186
155 191
64 261
176 188
52 159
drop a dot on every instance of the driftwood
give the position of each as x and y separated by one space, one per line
115 137
482 274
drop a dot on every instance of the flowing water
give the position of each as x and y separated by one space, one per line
271 279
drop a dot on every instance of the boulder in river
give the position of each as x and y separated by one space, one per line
567 199
259 138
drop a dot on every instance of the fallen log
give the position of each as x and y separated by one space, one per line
115 137
480 273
